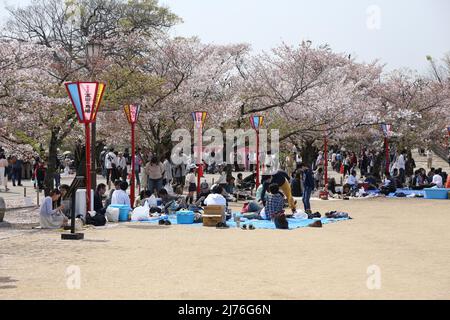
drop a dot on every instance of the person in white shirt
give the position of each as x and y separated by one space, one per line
121 165
216 198
120 196
110 165
437 179
429 159
192 184
351 180
3 166
401 166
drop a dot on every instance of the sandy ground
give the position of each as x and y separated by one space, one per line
407 239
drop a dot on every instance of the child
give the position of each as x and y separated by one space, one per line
192 186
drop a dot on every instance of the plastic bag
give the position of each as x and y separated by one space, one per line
141 213
299 214
112 214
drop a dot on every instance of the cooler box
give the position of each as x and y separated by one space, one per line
124 210
185 217
436 193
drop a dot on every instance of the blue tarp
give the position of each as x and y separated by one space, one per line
258 224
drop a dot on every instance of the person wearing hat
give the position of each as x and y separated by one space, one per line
280 178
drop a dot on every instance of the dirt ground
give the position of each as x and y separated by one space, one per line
393 249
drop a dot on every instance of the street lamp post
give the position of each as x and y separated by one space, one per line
199 118
86 98
132 113
93 51
386 128
256 123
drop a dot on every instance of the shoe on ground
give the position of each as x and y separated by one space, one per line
316 224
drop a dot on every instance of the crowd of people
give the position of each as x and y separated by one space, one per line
176 184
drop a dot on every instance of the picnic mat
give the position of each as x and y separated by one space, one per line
407 192
258 224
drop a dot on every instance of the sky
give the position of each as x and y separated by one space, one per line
399 33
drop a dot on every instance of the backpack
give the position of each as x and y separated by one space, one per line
98 220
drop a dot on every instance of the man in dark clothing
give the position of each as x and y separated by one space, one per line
281 178
308 186
98 205
99 218
17 172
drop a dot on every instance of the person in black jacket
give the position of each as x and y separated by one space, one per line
308 186
98 204
99 218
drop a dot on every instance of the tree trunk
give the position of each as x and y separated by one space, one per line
51 163
309 152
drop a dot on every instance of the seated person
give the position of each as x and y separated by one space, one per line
216 198
447 184
99 218
275 202
52 218
437 179
352 181
371 182
280 178
332 187
388 185
120 196
177 202
259 193
139 202
247 183
111 192
98 195
396 179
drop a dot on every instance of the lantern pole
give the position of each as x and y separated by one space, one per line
133 158
257 159
199 160
88 167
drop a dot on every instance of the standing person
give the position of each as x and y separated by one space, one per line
110 165
192 185
155 172
179 171
52 218
347 165
57 174
137 167
17 172
3 177
121 164
289 165
40 175
168 170
102 161
401 166
308 186
429 159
